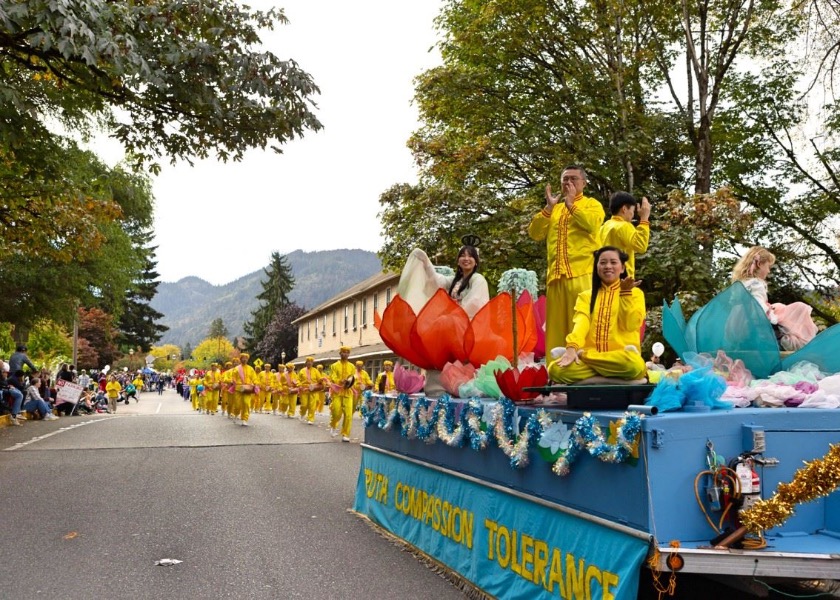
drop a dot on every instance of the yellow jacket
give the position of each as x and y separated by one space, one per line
288 382
390 386
113 389
339 372
210 379
244 375
571 236
621 234
308 376
614 324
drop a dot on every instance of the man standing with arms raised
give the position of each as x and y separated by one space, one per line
571 230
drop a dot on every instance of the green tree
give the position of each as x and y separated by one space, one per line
187 79
49 340
213 349
275 294
217 328
187 352
138 326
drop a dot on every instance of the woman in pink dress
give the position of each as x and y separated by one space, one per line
793 320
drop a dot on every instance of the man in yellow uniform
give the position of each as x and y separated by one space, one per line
571 231
385 380
227 390
211 390
342 375
266 386
193 383
321 394
309 381
288 405
619 230
245 379
276 389
361 383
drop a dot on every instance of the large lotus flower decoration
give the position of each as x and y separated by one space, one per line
408 381
442 332
512 382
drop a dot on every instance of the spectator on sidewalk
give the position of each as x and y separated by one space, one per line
16 394
34 403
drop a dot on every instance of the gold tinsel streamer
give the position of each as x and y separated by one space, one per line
817 478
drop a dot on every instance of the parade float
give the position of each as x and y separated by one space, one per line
520 489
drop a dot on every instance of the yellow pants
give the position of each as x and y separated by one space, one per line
211 400
620 364
291 403
560 297
307 405
261 398
194 398
227 401
320 398
243 405
341 405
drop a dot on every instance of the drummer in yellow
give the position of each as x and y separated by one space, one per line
247 383
385 380
289 381
309 380
342 375
321 395
362 382
211 390
266 378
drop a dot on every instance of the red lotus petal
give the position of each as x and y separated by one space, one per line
440 329
490 333
539 321
398 320
508 383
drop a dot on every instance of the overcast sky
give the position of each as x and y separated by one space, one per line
222 221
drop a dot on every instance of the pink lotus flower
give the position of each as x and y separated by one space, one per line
408 381
454 375
513 381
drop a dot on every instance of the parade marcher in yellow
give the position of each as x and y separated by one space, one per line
620 232
361 383
571 230
247 384
227 390
342 378
112 390
266 378
211 390
605 340
385 380
321 395
276 389
309 380
288 405
193 383
138 385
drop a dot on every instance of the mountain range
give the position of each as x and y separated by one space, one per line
191 304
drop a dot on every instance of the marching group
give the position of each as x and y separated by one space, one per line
239 390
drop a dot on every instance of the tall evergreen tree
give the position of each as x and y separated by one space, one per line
138 322
217 329
275 295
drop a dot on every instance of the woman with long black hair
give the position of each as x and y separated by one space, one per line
605 339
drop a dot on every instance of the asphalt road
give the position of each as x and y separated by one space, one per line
89 504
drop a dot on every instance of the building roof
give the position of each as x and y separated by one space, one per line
358 353
357 290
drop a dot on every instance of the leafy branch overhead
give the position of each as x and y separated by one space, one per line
176 79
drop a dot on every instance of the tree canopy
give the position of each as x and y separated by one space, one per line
696 105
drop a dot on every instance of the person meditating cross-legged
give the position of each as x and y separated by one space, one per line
605 336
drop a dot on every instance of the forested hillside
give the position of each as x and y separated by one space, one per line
191 304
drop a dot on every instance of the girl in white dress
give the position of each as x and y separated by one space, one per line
793 320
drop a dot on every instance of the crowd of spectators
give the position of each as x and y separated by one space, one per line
28 392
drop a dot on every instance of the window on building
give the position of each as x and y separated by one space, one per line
387 296
317 320
346 318
376 302
308 330
364 312
355 316
334 318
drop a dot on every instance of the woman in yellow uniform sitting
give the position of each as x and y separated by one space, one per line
605 336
